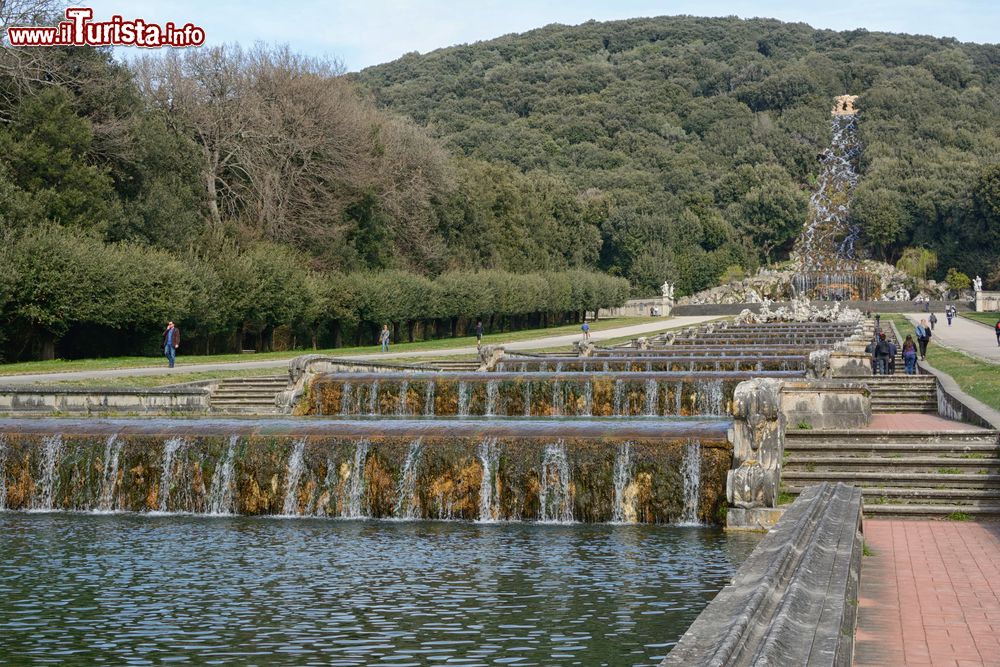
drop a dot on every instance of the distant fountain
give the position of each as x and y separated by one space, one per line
406 491
220 495
555 501
292 476
489 457
170 448
691 478
109 478
354 508
622 478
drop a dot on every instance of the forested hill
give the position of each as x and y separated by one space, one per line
690 143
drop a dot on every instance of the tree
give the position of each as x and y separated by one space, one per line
917 262
957 280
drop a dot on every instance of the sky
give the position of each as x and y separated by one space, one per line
360 34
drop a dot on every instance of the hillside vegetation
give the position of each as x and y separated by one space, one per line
696 139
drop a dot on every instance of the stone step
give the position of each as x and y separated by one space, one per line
869 479
886 495
800 451
245 410
804 437
268 380
928 464
914 511
262 402
908 407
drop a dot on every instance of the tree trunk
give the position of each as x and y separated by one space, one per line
48 350
337 334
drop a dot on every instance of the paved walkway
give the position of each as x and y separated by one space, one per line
916 421
930 594
966 335
532 344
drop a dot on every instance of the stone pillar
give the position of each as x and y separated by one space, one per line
490 356
758 437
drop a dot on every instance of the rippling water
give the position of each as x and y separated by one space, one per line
127 589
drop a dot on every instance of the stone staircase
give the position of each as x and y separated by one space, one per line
920 474
903 393
453 365
248 395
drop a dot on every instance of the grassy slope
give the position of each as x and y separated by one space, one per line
989 319
59 365
978 379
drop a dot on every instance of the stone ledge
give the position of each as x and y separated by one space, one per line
85 400
794 601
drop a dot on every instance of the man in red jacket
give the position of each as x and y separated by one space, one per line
171 341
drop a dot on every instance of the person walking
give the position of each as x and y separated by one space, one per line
383 337
479 333
923 337
882 355
997 327
927 306
892 358
171 341
586 330
878 322
933 321
910 355
949 312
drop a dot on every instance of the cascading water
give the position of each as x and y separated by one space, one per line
170 448
406 492
292 476
463 399
617 398
710 398
109 478
345 399
588 399
429 399
652 403
220 495
402 408
558 398
354 508
622 478
678 398
373 398
491 397
489 457
527 399
555 501
691 478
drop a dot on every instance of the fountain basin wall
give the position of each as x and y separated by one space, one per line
656 471
670 363
529 394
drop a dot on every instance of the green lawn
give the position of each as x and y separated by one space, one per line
989 319
59 365
978 379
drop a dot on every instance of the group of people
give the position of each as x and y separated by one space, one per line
883 349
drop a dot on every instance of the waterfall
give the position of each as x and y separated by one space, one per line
463 399
679 398
489 457
618 395
527 398
558 399
292 476
429 399
691 477
710 398
402 408
170 448
354 508
588 398
373 398
623 475
3 477
406 502
555 503
345 399
491 397
50 474
652 397
109 478
220 496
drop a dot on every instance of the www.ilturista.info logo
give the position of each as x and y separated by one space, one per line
79 30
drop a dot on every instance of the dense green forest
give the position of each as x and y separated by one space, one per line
698 137
262 199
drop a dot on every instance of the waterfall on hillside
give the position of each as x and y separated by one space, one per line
293 474
429 399
622 478
109 477
652 397
406 491
691 478
170 448
489 457
220 495
555 501
355 508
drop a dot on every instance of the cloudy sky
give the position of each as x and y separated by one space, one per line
366 33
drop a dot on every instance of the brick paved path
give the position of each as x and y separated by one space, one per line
930 594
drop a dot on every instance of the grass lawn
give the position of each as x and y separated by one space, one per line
978 379
989 319
59 365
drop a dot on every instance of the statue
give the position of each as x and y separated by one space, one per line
667 290
977 284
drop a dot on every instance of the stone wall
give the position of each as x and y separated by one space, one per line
87 401
987 302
